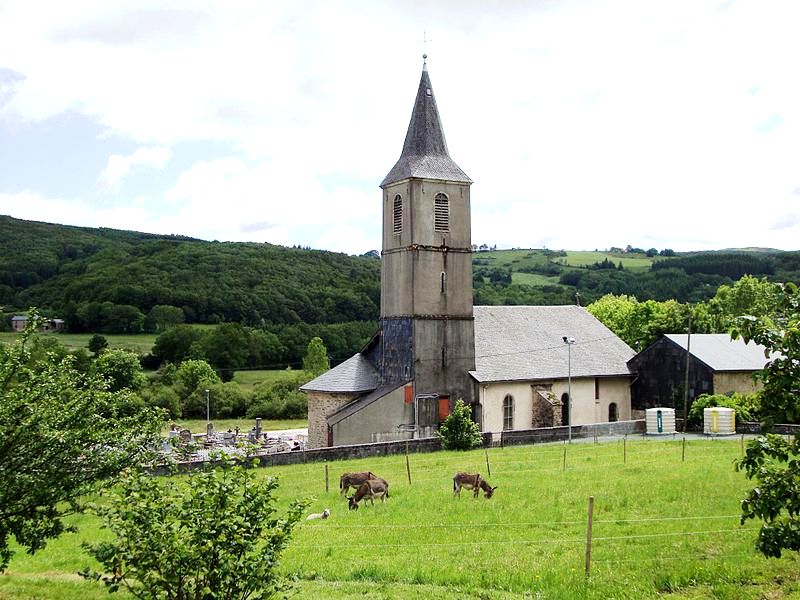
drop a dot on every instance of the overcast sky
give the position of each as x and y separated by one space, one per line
583 124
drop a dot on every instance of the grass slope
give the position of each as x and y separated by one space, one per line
663 528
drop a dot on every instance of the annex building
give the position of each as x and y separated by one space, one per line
514 365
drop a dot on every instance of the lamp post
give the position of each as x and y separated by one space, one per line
569 342
208 410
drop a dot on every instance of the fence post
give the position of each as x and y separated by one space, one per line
326 478
488 468
742 444
625 449
564 461
589 536
408 467
683 450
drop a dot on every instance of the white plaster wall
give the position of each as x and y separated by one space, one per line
585 409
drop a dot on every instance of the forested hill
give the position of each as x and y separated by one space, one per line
122 281
78 273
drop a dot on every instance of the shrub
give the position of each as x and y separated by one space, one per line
458 431
747 406
217 535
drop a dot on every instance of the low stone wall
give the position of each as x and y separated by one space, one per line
557 434
745 427
331 454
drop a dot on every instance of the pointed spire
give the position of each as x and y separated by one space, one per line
425 152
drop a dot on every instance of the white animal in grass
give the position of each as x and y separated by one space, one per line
323 515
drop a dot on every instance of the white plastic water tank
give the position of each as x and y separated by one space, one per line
719 420
660 421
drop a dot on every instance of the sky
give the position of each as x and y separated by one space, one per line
584 124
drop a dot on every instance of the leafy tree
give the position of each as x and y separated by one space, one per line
120 369
97 343
173 345
191 373
218 535
162 317
771 460
458 431
61 433
315 362
747 296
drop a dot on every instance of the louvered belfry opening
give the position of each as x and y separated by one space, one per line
397 223
441 213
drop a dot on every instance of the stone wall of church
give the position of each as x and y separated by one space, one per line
735 381
320 405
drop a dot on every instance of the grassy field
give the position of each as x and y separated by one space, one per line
250 379
534 279
637 262
140 343
663 528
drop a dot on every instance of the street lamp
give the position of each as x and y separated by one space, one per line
569 342
208 410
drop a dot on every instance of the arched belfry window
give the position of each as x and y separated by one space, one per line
508 413
441 208
397 215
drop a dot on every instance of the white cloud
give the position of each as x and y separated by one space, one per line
119 166
583 124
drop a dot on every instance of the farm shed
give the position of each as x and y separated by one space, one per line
717 365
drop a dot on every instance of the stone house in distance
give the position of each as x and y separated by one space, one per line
717 365
432 347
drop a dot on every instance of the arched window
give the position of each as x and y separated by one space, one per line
612 412
565 409
441 208
508 412
397 215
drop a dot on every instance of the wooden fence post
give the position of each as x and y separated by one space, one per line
588 561
564 461
488 468
408 467
625 449
326 478
683 450
742 444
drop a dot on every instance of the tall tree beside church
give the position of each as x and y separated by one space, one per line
315 362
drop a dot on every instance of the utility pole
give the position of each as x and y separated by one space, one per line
686 373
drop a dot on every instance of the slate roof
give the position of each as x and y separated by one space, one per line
721 353
356 374
425 152
356 405
515 343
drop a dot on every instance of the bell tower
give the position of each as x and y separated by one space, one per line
426 317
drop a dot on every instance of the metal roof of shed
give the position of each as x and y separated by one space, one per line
722 353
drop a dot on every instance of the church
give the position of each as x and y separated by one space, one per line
516 366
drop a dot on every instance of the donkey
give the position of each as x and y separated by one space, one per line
474 482
369 490
354 480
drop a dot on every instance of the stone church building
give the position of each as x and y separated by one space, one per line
511 364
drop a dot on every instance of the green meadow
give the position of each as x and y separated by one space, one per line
663 527
140 343
636 262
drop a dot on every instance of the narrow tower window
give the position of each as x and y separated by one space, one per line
397 223
443 281
441 207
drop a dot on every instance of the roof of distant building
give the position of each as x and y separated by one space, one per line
721 353
19 318
521 343
425 152
356 374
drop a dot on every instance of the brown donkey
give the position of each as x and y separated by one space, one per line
369 490
474 482
354 480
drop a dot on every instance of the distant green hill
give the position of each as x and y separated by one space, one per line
76 272
109 280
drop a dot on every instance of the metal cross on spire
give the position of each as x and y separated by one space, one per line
424 41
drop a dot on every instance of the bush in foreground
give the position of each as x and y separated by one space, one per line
215 536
